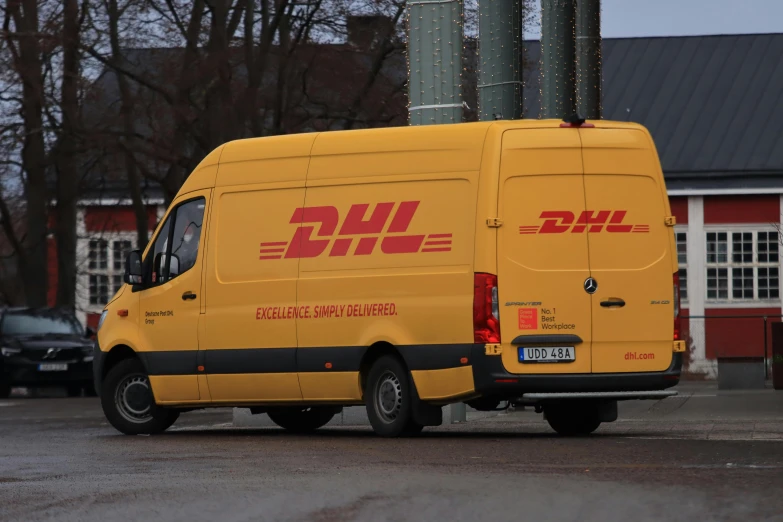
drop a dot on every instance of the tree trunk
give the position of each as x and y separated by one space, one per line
126 111
33 264
67 174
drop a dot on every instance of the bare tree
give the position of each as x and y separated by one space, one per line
22 35
127 114
66 155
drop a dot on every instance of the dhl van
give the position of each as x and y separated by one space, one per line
403 269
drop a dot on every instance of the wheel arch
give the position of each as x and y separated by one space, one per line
119 353
372 354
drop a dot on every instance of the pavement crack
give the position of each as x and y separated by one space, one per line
345 512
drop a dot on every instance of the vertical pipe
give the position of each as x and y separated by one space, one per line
500 59
766 366
588 58
558 58
434 61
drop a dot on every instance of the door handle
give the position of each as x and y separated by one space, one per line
188 296
613 302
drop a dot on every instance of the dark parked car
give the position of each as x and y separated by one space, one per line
44 347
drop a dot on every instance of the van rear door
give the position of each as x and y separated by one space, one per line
630 252
542 265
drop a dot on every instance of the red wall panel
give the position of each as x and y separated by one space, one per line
763 208
92 320
115 219
679 205
730 336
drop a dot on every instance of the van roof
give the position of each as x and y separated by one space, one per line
463 137
420 137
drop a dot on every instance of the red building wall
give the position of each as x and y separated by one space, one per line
762 209
116 219
679 206
96 219
728 335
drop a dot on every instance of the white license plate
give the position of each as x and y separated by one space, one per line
52 367
547 354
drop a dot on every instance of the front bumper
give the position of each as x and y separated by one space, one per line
27 374
492 380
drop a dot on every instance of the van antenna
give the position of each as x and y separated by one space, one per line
574 119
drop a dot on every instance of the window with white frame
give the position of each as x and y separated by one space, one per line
743 265
106 266
682 261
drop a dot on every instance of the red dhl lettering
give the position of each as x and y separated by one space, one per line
318 227
562 221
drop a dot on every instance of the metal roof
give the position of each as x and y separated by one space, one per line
714 104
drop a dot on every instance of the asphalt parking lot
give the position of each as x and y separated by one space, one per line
704 455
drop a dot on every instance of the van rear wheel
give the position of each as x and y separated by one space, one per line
302 420
128 402
389 398
573 420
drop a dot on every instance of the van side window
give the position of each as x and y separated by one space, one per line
187 234
175 250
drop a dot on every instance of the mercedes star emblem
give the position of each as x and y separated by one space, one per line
591 285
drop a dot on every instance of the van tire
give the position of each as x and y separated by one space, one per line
389 398
302 420
128 402
573 420
5 389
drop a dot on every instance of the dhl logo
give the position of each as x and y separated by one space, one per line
561 221
318 228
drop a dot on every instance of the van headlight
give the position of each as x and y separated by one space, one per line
8 352
103 318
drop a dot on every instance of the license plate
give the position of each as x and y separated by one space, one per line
52 367
547 354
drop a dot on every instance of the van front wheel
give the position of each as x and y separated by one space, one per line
128 403
389 398
302 420
573 420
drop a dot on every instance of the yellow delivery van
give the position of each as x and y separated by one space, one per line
403 269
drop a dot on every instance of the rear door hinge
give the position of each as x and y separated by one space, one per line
494 222
670 221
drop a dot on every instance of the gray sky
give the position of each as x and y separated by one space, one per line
689 17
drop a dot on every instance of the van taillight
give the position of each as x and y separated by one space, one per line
486 311
676 306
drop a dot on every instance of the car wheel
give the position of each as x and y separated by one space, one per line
128 402
389 398
5 390
302 420
573 420
74 390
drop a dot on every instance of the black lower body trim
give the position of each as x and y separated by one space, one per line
292 360
488 370
436 356
181 362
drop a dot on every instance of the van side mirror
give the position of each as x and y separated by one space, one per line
133 272
89 333
160 264
174 266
